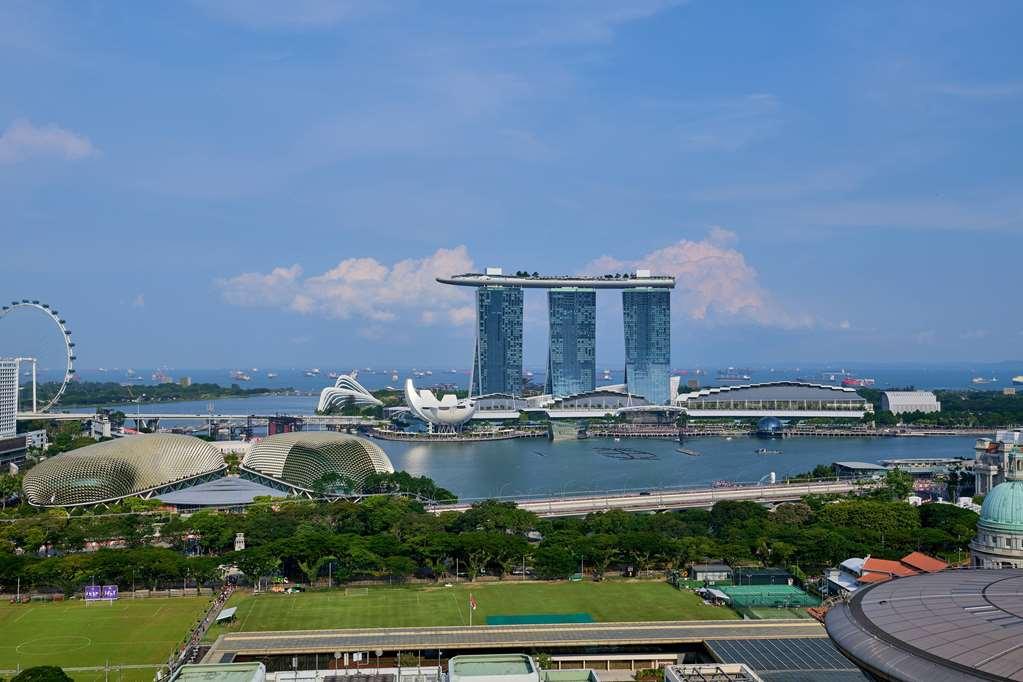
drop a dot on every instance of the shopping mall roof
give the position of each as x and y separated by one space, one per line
773 390
952 625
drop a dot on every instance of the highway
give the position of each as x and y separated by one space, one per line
656 500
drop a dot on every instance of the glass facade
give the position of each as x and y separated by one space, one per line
647 315
571 354
497 365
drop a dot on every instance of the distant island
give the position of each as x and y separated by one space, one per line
112 393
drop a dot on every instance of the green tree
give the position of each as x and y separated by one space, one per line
42 673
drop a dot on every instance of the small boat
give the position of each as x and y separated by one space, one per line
766 451
618 440
271 375
688 451
983 380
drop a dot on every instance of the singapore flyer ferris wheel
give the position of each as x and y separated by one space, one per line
68 344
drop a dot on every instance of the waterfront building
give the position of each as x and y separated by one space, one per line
899 402
647 323
775 399
497 362
991 458
346 389
143 466
8 398
571 354
999 539
300 462
447 413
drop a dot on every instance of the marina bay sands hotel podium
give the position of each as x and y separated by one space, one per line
571 354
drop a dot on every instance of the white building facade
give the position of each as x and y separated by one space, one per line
8 398
898 402
991 459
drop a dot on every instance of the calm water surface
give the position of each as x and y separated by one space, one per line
529 466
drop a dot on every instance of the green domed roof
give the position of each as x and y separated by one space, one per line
1003 508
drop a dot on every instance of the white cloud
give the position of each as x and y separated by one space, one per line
23 140
363 288
713 281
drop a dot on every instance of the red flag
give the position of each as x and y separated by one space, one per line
472 602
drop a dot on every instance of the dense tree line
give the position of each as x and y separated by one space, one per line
958 408
112 393
393 537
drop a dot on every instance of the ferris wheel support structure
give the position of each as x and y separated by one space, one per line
69 349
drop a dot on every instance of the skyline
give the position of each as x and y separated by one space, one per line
218 184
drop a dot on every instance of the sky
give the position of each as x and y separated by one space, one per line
218 183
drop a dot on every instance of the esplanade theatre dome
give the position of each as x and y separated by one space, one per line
116 469
302 458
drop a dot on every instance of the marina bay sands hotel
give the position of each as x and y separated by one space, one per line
571 356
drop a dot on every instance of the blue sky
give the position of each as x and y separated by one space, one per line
228 183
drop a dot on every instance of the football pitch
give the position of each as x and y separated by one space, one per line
381 607
73 634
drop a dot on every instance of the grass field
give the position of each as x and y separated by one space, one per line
437 605
72 634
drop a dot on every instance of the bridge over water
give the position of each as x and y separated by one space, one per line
663 499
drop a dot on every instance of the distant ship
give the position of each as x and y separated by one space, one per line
239 375
333 375
606 376
733 374
271 375
314 372
857 382
983 380
394 376
1018 380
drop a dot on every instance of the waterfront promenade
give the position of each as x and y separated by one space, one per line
657 500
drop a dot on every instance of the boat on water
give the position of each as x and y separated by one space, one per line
857 382
271 375
332 375
314 372
980 381
767 451
688 451
733 374
239 375
1018 380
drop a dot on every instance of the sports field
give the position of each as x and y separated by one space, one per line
73 634
437 605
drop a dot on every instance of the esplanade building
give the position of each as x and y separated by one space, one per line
185 471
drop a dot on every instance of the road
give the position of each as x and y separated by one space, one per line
506 637
655 500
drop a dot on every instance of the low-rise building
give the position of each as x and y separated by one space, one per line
992 457
710 573
899 402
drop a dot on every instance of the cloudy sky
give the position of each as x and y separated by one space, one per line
233 182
